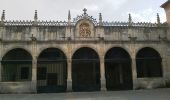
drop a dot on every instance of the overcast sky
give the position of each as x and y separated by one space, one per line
112 10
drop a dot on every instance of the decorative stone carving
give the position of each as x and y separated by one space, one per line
84 30
85 16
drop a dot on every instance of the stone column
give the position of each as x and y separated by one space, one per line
134 71
2 30
102 73
1 50
34 75
69 76
0 61
34 66
0 71
69 64
102 66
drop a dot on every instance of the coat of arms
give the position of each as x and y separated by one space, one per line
84 30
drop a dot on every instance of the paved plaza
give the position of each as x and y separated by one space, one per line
157 94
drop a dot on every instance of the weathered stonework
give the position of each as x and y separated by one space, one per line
36 37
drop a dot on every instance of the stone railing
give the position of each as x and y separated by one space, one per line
52 23
138 24
145 24
18 23
38 23
64 23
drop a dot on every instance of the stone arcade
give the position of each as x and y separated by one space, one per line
83 54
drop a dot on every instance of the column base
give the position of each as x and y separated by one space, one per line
69 86
34 86
103 85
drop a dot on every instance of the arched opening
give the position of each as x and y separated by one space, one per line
16 66
85 70
148 62
51 71
118 71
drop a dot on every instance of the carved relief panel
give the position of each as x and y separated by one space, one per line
84 30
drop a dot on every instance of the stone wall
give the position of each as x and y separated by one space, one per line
35 39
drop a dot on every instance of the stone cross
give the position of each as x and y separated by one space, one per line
85 10
3 16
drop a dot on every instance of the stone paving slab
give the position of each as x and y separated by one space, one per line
157 94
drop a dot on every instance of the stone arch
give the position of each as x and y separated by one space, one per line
149 63
153 47
86 70
16 47
17 65
118 46
25 50
85 46
125 49
118 69
51 71
57 47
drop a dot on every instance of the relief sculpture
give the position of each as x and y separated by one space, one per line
84 30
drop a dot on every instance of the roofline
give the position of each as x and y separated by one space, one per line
163 5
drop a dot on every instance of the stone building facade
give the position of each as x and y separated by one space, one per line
83 54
